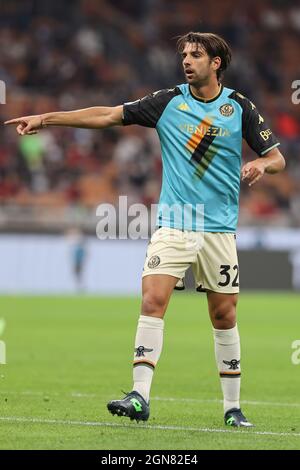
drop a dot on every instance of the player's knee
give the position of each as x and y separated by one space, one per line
224 322
154 304
224 315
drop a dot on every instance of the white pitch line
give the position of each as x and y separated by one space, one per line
168 399
18 419
216 400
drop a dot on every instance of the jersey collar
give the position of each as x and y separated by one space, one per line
202 100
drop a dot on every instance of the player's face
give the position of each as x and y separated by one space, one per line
197 65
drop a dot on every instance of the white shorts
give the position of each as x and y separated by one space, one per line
213 258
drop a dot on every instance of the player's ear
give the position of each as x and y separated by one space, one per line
216 63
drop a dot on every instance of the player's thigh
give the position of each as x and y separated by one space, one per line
157 290
167 259
169 252
216 268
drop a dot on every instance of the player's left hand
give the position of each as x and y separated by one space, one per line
253 171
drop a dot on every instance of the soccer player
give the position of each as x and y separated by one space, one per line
78 256
201 125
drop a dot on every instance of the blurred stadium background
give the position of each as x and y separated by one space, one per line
63 56
62 362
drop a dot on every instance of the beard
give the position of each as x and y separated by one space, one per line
197 80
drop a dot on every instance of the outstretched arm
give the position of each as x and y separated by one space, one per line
98 117
272 162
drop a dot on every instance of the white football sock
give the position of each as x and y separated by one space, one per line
228 356
148 346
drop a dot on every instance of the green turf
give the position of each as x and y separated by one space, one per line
67 356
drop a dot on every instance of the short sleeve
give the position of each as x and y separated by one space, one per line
256 131
148 110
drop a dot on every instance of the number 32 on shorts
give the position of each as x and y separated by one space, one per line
225 271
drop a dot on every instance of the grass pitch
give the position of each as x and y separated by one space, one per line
68 356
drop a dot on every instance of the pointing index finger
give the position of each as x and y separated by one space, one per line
14 121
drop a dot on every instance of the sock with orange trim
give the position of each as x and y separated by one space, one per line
228 356
148 346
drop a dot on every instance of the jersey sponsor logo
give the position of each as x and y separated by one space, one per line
265 134
204 129
198 133
226 109
183 107
233 364
140 350
153 262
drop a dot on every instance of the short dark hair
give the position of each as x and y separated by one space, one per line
213 45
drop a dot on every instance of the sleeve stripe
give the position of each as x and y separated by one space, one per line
270 148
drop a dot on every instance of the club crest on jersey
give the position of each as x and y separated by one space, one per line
153 262
226 109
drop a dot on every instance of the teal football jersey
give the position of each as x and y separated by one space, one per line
201 143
